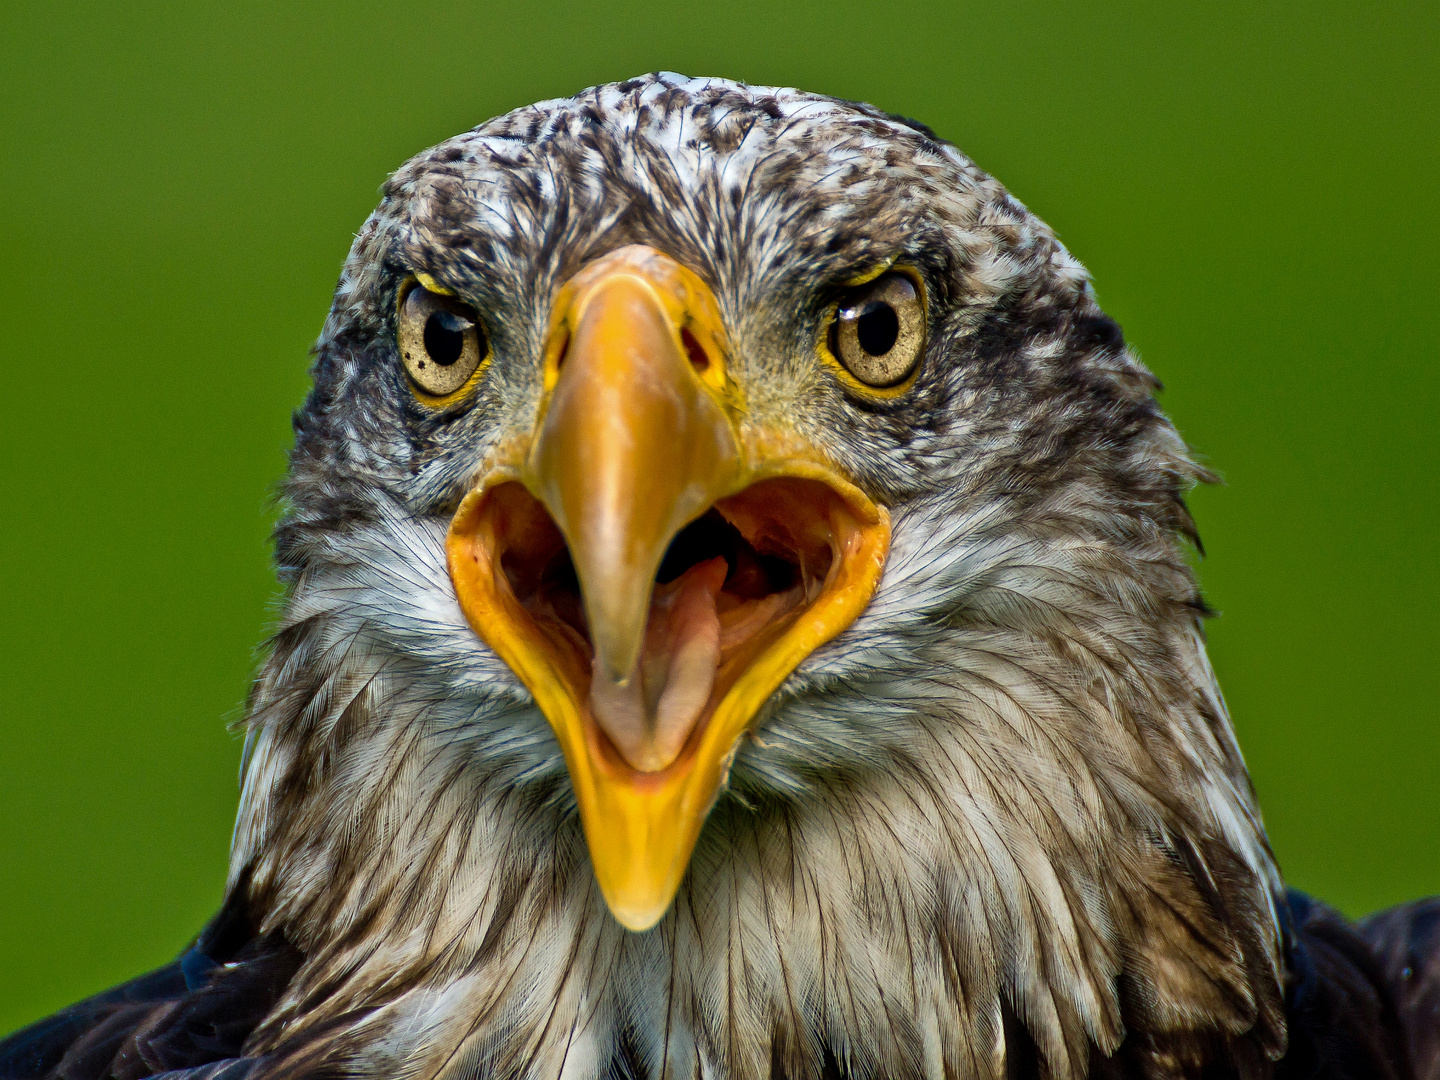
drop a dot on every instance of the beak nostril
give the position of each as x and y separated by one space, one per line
699 358
562 352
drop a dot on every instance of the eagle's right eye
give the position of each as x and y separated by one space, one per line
878 330
441 342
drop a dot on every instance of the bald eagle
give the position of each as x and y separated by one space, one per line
738 625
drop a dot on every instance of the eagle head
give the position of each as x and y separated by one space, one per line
738 622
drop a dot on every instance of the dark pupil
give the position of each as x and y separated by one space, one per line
876 329
445 337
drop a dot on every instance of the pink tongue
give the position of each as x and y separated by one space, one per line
650 718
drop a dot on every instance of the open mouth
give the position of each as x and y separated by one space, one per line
730 585
652 562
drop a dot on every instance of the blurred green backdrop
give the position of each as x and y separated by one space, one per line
1254 187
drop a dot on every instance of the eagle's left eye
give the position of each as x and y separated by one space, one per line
441 341
879 330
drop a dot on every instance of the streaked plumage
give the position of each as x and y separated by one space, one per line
997 827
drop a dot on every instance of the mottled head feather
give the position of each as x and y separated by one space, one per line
999 824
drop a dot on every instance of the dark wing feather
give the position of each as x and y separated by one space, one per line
186 1021
1406 940
1343 1021
36 1050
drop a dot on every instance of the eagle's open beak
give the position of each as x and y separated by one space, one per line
651 568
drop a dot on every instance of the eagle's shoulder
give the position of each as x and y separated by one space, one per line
188 1020
1363 1000
1406 942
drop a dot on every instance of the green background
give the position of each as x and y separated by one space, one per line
1254 187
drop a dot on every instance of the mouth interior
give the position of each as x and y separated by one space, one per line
731 583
